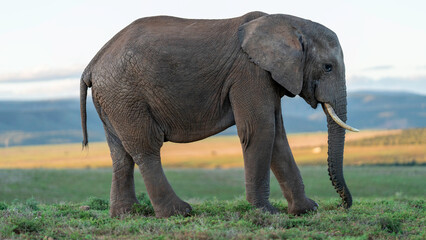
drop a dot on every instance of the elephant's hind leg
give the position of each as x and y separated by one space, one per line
143 142
122 195
142 139
164 200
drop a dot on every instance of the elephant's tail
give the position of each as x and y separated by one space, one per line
85 82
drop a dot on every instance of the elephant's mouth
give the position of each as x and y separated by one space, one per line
330 111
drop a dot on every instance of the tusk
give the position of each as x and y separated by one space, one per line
327 108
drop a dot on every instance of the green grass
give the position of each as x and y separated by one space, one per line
73 204
391 218
53 186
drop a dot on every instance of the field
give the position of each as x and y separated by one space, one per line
77 185
66 197
395 218
389 203
366 147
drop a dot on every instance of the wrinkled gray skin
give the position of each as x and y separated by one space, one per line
180 80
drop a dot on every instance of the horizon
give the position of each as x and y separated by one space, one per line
89 95
69 89
66 35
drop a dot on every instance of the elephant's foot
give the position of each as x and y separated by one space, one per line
269 208
122 207
266 207
302 206
172 208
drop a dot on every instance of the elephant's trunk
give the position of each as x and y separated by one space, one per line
336 144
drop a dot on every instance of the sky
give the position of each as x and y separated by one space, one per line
45 45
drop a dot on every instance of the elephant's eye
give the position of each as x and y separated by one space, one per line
328 67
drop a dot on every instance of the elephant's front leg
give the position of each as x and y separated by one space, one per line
254 117
287 173
257 150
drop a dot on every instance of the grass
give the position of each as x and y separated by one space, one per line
53 186
367 147
395 218
57 203
416 136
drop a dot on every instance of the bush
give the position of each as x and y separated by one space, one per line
3 206
144 199
390 225
24 225
97 203
32 204
144 207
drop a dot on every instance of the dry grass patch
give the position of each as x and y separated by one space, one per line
218 152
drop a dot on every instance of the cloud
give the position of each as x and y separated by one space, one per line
41 74
39 90
57 84
407 84
379 68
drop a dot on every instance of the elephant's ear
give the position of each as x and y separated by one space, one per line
277 47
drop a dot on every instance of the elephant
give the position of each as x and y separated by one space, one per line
182 80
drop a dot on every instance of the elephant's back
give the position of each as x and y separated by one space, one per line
148 40
164 46
153 32
173 27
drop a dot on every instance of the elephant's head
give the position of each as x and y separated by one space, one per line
306 59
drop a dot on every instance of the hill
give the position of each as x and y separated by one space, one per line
58 121
366 110
46 122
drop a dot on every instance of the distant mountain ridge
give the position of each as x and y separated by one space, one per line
58 121
366 110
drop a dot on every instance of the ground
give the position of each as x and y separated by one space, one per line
66 198
390 218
